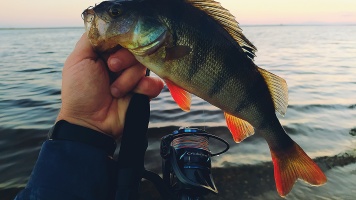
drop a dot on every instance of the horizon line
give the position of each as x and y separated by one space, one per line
245 25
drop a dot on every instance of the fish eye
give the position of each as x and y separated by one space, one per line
115 11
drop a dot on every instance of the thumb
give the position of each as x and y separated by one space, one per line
83 50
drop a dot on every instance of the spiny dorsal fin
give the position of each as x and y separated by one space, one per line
240 129
279 90
227 20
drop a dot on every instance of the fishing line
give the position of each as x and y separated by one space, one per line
193 141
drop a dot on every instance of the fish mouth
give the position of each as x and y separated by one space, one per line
88 15
97 11
151 47
96 28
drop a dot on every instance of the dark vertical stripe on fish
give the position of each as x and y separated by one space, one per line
218 84
243 104
198 59
195 65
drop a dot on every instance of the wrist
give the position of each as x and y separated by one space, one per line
108 121
80 122
64 130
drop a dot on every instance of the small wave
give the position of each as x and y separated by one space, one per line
34 70
302 129
292 129
48 52
50 72
176 115
26 103
321 106
54 92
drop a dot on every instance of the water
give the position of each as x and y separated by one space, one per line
318 63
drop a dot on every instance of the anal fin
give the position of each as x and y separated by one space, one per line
292 164
180 96
240 129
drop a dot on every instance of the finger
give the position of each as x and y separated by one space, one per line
128 80
150 86
121 60
83 50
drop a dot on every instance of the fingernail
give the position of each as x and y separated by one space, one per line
115 92
115 63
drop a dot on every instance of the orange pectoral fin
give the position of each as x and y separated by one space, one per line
240 129
180 96
292 164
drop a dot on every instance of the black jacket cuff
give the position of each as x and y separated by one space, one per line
64 130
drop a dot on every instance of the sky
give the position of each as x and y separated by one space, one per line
67 13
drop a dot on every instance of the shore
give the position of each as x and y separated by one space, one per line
243 182
251 181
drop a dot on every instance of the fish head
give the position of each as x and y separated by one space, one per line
128 24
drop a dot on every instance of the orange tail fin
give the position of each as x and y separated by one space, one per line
293 164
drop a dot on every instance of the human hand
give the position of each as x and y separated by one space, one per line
89 100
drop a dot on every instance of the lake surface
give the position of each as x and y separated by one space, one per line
318 63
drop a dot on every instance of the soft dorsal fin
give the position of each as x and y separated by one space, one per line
279 90
227 20
240 129
180 96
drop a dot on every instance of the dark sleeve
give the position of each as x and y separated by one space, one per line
70 169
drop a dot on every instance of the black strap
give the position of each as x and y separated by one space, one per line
64 130
134 140
133 147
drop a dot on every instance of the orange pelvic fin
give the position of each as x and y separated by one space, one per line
293 164
180 96
240 129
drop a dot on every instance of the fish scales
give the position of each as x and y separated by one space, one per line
224 71
197 46
213 64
